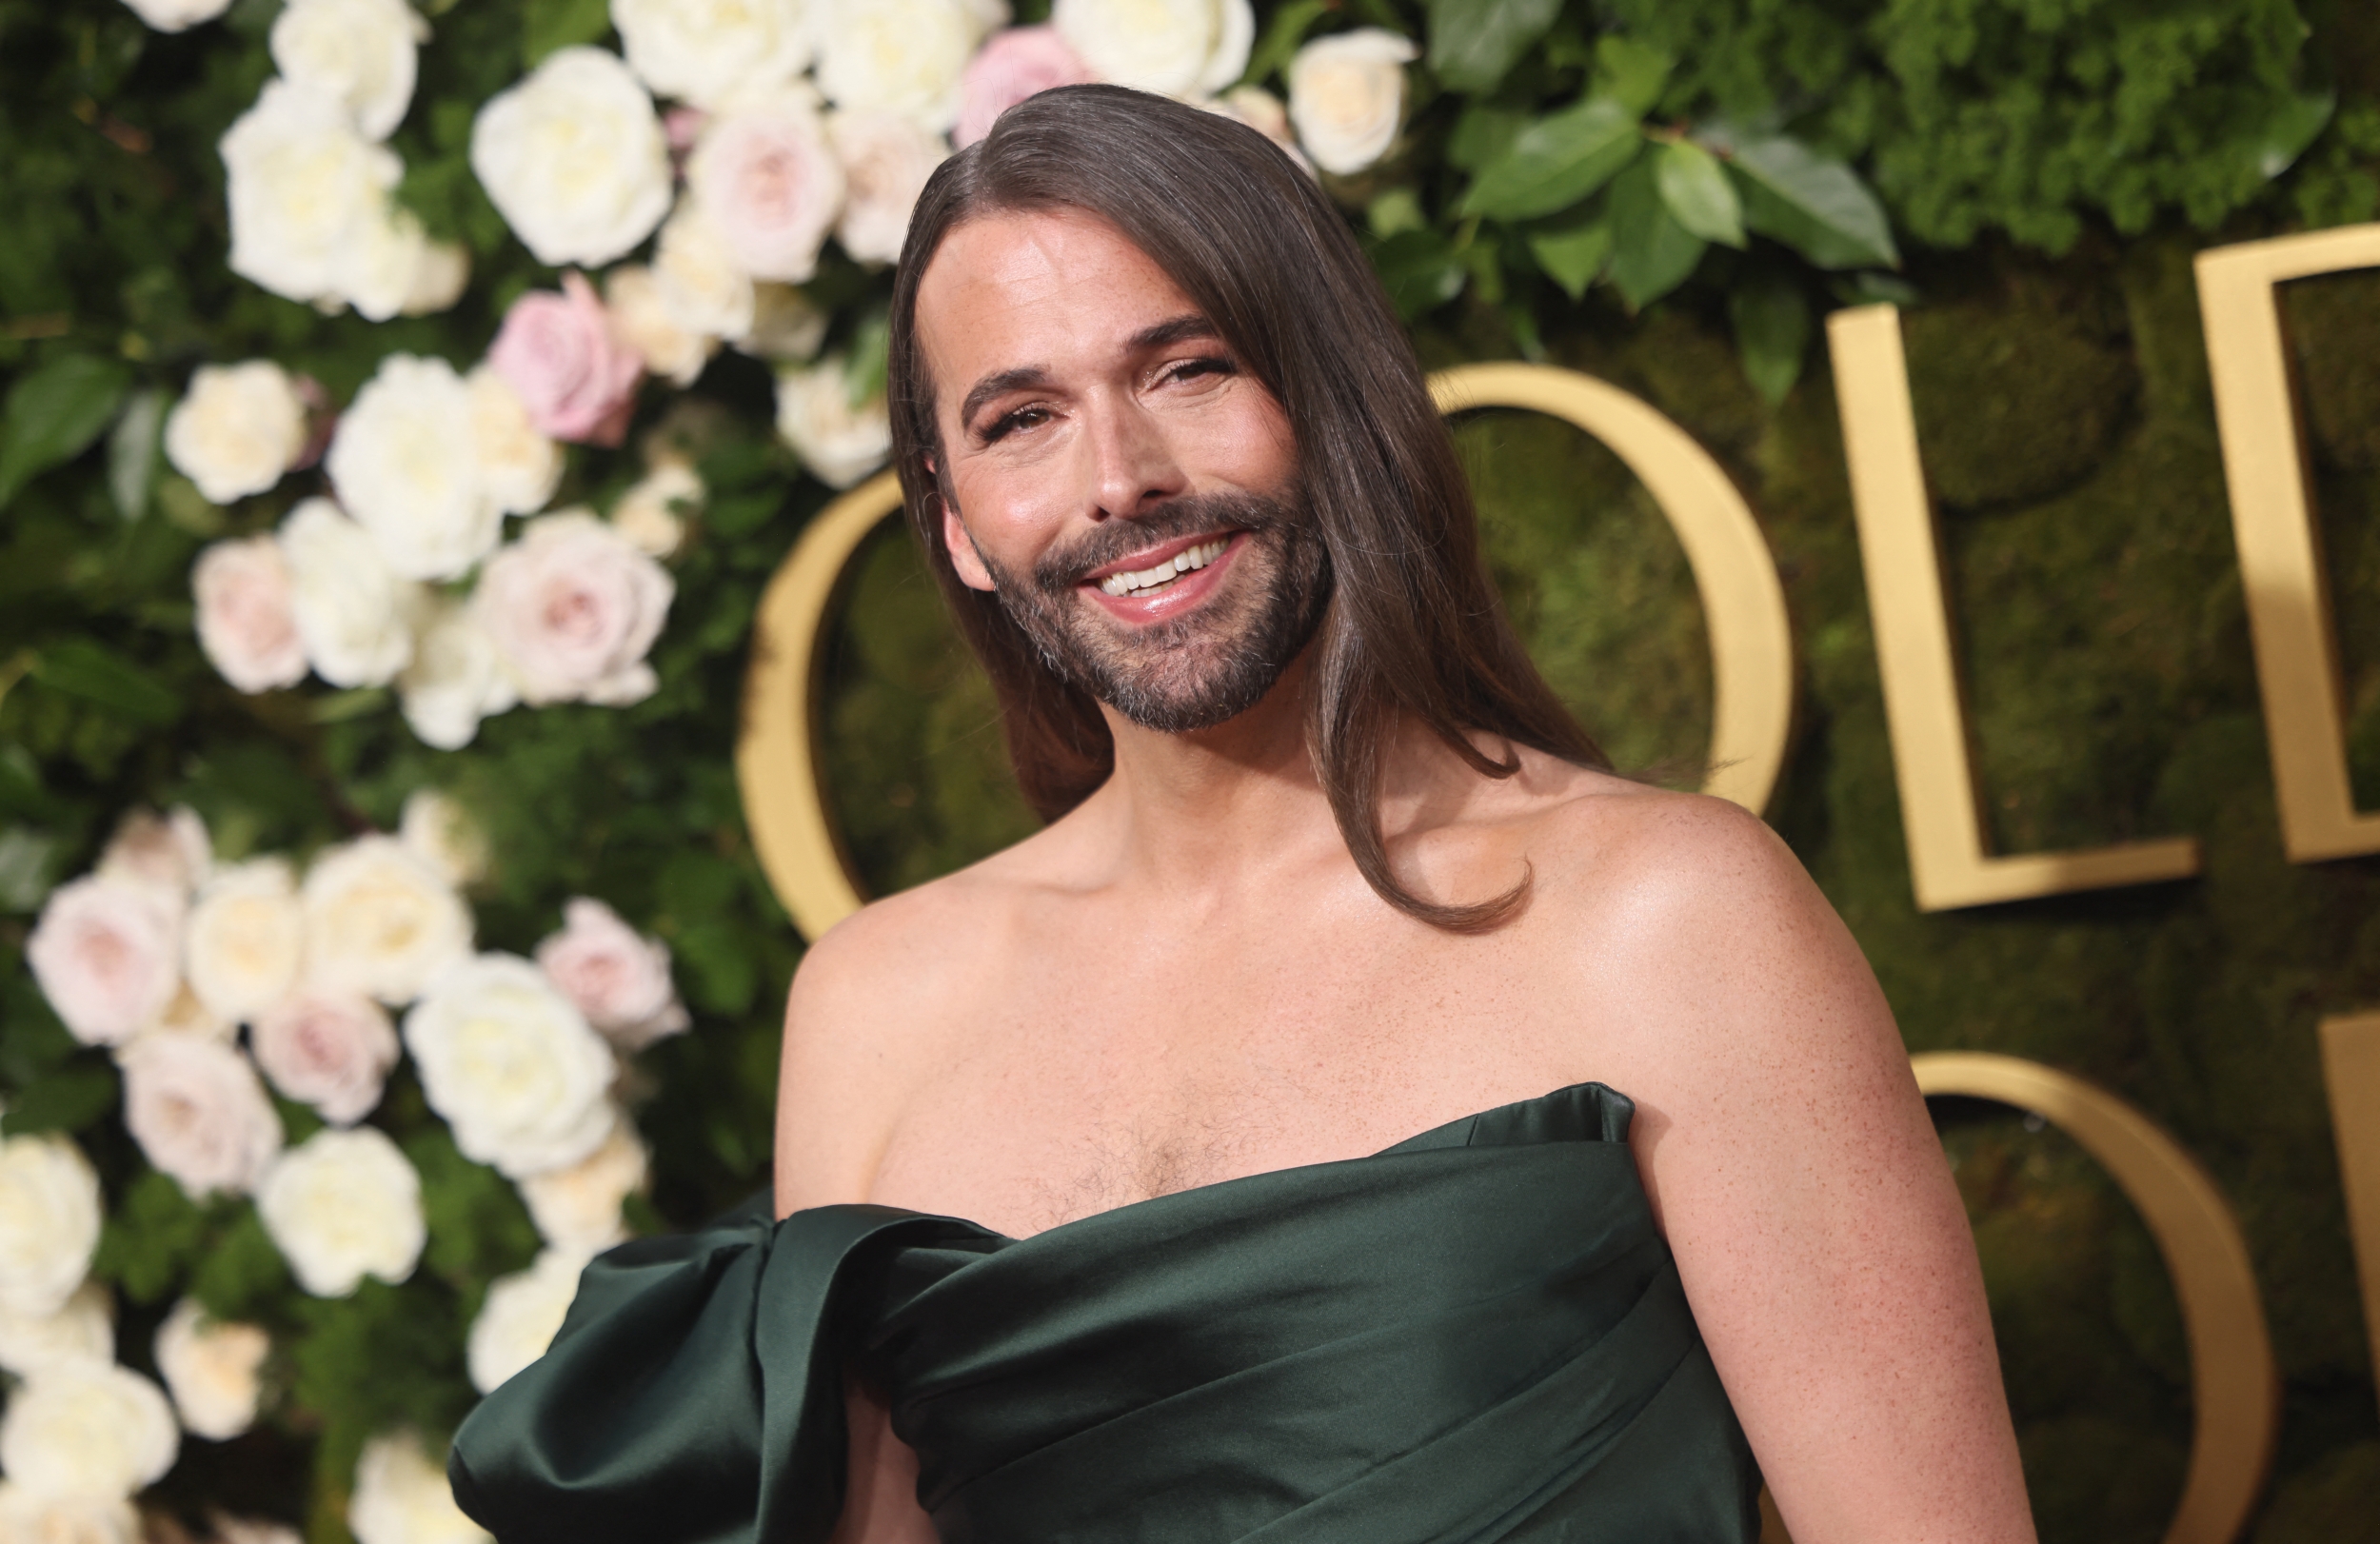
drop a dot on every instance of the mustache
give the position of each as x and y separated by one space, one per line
1062 570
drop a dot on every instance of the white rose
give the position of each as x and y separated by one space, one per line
84 1331
839 443
360 53
705 52
353 615
199 1114
901 56
441 273
30 1516
342 1206
648 514
393 269
171 852
521 1315
380 923
239 946
698 280
764 178
456 679
617 977
331 1050
574 608
886 159
107 955
643 319
247 623
174 15
308 194
223 1529
236 429
1174 48
786 325
48 1222
1347 96
441 833
518 466
88 1429
401 1497
212 1369
513 1066
406 462
574 158
578 1208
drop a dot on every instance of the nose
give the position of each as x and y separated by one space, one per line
1133 466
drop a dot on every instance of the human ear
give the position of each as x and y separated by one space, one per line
962 554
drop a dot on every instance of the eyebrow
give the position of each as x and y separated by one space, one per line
1024 376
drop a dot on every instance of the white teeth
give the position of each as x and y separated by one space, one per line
1164 573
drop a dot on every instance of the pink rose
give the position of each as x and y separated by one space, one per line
198 1112
767 181
572 607
575 376
1021 62
618 980
245 621
327 1049
170 853
107 954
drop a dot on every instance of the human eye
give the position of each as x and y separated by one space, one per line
1031 416
1186 370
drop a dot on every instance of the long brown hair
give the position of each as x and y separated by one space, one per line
1414 625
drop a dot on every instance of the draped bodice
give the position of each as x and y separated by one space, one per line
1478 1334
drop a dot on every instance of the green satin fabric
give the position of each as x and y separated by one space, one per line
1474 1336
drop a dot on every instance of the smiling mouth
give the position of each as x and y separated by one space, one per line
1163 574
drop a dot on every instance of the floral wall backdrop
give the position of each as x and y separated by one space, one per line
406 400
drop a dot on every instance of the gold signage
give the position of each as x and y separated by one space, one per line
2350 1068
1949 864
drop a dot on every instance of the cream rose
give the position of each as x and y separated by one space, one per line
236 429
380 923
170 853
331 1050
442 834
786 326
1265 114
885 160
30 1516
616 976
513 1066
175 15
404 461
1347 96
764 179
573 607
359 53
705 52
353 615
241 944
401 1497
88 1429
903 56
672 350
394 268
308 195
518 468
648 514
211 1369
574 158
839 443
199 1113
577 1209
342 1206
83 1331
224 1528
1020 62
456 679
521 1315
698 280
48 1222
1174 48
247 626
107 951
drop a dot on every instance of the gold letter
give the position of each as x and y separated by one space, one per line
2350 1065
2280 549
1949 866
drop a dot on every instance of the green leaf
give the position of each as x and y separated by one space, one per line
67 1099
1815 204
1281 38
133 453
1398 209
1772 319
1555 161
150 1234
1482 133
2294 125
549 24
54 413
1695 188
1631 72
1573 256
95 673
1651 253
354 703
29 867
1473 43
870 354
1420 270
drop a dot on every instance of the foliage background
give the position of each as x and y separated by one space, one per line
2050 165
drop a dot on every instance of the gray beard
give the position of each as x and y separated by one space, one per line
1192 672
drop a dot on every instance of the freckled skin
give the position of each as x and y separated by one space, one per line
1186 981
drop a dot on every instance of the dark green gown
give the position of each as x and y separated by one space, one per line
1474 1336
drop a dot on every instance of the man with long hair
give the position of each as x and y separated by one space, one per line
1104 1214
